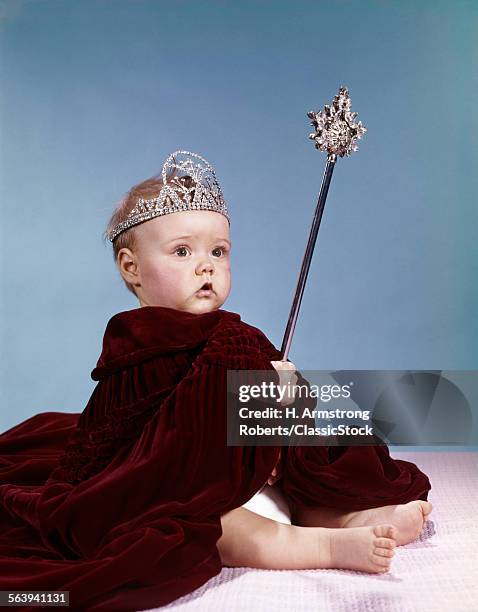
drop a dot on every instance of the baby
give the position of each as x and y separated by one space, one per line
177 256
138 499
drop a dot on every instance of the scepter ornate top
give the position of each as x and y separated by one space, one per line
335 128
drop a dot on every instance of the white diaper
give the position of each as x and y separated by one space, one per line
270 502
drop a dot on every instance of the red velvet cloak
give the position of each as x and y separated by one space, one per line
120 505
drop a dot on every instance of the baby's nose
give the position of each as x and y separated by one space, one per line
205 266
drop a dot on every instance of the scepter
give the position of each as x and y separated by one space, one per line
335 132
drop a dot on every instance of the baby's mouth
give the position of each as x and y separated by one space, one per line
205 290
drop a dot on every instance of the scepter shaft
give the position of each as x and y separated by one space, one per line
309 251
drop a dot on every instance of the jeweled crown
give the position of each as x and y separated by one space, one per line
193 186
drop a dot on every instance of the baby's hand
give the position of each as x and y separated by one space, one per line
286 371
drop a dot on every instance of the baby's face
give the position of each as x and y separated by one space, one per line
177 254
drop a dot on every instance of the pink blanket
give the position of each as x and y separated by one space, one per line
437 573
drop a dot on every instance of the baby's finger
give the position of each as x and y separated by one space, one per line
283 365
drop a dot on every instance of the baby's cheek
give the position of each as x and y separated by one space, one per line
167 279
162 283
225 272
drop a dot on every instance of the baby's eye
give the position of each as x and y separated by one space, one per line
181 251
218 251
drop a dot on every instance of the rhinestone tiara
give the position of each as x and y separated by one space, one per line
175 196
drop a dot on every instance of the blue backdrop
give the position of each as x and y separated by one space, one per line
95 95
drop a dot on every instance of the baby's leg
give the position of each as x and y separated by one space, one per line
251 540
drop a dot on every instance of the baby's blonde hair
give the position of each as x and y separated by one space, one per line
150 188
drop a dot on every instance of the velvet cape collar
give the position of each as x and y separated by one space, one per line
135 335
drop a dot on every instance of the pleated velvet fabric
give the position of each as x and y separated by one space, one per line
120 505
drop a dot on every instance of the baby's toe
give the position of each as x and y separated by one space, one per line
385 542
426 507
385 531
382 562
384 552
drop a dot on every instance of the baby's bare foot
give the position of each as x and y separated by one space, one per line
407 518
366 549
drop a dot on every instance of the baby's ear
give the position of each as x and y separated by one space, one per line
128 266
